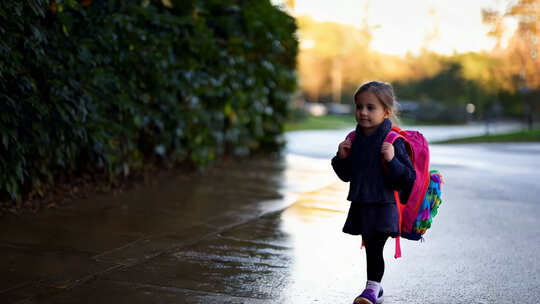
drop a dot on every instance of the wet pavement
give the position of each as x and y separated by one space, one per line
269 231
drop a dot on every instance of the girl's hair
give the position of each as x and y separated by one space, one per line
384 93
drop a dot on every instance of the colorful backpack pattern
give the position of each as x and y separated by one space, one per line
429 208
416 216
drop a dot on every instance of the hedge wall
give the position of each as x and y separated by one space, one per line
119 85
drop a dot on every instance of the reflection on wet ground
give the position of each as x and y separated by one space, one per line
205 236
55 249
269 231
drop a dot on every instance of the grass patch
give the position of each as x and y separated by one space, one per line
325 122
520 136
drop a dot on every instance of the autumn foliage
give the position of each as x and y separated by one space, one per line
336 58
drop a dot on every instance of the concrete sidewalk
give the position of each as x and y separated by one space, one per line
157 244
75 246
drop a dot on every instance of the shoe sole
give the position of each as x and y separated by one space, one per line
362 301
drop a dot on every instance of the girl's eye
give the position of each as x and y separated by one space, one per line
370 108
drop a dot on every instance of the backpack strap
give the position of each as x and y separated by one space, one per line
397 253
392 136
351 135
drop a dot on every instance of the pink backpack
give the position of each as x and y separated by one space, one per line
416 216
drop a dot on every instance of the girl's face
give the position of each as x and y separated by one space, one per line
370 112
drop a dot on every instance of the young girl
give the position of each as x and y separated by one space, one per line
374 170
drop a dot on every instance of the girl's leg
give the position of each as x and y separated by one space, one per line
375 269
374 256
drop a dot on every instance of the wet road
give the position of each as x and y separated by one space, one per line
269 231
484 246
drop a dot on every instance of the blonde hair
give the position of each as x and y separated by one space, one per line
384 93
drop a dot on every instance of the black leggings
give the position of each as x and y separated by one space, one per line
374 256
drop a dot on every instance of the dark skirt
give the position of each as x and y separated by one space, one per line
369 219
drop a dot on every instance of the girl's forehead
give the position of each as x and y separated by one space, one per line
367 97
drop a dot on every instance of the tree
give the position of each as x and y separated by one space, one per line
521 55
327 50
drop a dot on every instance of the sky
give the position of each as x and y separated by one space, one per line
401 26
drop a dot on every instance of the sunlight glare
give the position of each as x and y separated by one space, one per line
408 26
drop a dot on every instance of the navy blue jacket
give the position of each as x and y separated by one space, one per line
369 181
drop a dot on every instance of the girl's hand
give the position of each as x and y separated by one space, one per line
387 151
344 149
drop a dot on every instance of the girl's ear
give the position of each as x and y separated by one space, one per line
387 113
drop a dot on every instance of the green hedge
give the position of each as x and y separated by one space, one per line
119 85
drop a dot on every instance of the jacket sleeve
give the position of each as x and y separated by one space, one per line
342 167
402 174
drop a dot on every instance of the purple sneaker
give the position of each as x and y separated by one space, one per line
380 297
367 297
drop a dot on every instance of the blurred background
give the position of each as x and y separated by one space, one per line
449 61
